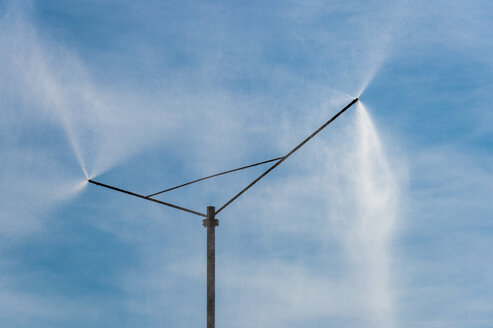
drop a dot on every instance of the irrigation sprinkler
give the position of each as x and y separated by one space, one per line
210 222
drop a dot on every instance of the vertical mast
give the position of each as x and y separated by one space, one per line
211 223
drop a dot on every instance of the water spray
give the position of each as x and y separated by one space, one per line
210 222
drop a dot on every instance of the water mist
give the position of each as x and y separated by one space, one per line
364 207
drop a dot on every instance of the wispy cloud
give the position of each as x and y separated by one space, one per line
194 88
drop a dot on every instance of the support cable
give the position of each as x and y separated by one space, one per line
213 176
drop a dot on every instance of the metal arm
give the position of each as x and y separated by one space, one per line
288 154
147 198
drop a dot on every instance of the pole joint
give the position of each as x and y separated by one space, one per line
210 220
210 223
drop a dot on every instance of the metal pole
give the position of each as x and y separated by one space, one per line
211 223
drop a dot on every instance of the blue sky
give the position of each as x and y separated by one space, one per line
382 220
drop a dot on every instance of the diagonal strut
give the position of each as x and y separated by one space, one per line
213 176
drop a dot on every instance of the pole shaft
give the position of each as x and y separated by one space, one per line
211 223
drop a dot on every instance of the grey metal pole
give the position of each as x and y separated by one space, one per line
211 223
